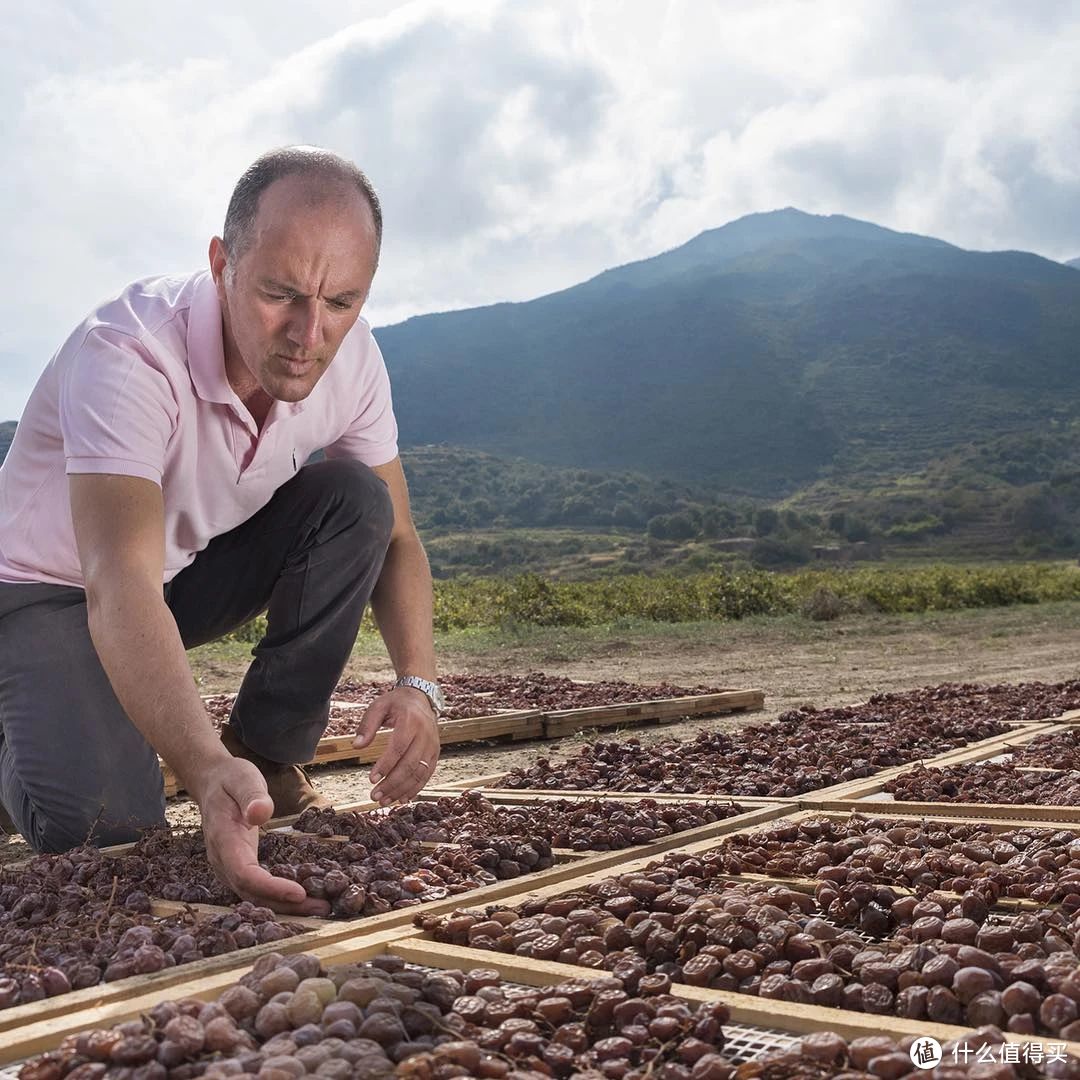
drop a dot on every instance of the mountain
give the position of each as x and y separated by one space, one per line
780 350
7 433
1073 262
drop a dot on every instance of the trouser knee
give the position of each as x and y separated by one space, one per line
48 833
354 500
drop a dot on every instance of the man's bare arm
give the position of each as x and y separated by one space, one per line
402 605
119 529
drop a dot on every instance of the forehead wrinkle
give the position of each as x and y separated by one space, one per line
283 251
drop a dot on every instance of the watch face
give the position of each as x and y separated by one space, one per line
438 698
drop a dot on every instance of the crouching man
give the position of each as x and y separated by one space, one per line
156 496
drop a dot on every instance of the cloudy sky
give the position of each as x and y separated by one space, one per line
519 147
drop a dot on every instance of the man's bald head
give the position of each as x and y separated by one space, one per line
327 172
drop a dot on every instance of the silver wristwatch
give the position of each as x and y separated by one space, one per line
429 689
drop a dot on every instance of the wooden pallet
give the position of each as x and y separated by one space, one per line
531 724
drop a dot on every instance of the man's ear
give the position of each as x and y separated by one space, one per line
219 258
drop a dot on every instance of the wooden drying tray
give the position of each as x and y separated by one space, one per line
562 722
42 1024
656 847
636 860
1070 717
745 1008
981 750
810 884
341 944
524 724
868 796
491 781
414 948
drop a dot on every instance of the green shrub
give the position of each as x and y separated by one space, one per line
251 632
532 599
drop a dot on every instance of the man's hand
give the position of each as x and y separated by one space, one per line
234 803
407 763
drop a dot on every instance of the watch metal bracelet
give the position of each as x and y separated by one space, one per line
430 690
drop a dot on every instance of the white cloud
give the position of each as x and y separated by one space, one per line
519 148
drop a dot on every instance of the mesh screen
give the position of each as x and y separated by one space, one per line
747 1043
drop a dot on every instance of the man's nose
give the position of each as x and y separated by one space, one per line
305 326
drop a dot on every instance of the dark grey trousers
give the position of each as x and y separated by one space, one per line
72 765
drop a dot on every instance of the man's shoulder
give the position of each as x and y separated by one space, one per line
147 306
146 322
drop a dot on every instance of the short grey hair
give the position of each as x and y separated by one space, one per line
310 161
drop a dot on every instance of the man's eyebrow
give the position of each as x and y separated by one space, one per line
280 286
350 295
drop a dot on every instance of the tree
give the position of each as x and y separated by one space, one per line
766 521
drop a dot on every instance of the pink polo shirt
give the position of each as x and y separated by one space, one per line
139 389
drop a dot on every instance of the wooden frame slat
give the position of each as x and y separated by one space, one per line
562 722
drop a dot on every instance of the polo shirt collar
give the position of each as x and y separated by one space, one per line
206 353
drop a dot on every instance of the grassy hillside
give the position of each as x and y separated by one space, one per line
1015 495
454 488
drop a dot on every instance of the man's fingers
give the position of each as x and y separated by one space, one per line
400 741
409 770
238 856
373 719
258 885
258 811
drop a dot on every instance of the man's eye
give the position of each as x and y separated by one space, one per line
341 305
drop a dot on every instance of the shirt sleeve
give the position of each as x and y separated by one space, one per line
117 409
372 435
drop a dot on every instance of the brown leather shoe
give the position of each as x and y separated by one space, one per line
288 785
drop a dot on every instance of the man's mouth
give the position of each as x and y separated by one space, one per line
296 365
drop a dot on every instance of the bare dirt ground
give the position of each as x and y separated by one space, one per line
794 661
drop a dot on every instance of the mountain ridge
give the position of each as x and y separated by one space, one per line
757 357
